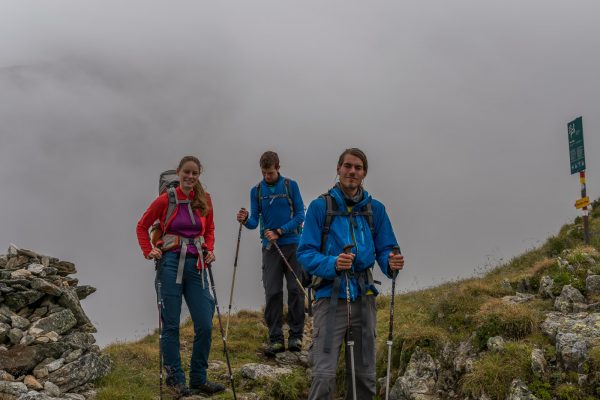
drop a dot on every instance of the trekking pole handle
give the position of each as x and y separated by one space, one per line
347 248
395 251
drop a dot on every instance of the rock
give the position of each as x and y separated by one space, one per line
15 335
46 287
54 365
5 376
36 269
12 388
47 337
418 382
60 322
574 335
84 291
65 268
292 358
12 249
39 313
69 281
40 372
79 340
32 383
4 330
18 300
506 284
496 343
16 262
70 300
256 371
88 368
546 286
33 395
518 298
592 284
20 273
74 396
75 354
52 389
21 359
89 394
538 362
27 340
464 355
519 391
568 296
19 322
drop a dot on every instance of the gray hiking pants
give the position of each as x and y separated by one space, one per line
324 365
274 271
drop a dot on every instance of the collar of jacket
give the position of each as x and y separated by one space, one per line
338 195
277 182
182 196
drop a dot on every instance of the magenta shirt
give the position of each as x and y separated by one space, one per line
182 226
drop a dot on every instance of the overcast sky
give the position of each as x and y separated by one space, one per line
461 107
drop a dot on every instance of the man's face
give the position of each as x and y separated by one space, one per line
351 173
270 174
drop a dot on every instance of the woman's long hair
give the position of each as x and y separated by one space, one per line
200 200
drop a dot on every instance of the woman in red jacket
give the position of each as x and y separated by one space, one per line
186 233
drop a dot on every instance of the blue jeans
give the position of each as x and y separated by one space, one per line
195 289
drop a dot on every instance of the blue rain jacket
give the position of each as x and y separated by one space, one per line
276 211
368 248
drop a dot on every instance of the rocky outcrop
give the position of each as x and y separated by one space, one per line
573 335
419 379
519 391
47 350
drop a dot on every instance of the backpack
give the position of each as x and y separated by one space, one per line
332 210
259 198
168 181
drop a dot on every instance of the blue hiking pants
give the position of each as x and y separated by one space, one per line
195 289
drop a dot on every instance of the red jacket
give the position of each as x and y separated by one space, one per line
158 211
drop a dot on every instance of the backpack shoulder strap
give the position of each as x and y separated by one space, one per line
369 215
259 197
173 201
288 191
330 212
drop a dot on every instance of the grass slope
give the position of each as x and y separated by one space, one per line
430 318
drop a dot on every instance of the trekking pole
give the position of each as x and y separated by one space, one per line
212 285
350 342
160 305
395 250
237 252
290 268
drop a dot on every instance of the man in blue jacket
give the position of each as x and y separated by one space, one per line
346 216
276 206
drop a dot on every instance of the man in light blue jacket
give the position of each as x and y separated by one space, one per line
345 232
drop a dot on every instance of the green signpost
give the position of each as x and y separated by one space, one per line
577 157
576 152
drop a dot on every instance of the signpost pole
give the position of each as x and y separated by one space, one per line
586 223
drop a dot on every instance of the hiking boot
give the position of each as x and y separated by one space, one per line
274 348
208 388
295 345
180 390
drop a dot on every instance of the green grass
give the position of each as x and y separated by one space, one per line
493 373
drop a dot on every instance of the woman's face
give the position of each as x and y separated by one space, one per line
188 175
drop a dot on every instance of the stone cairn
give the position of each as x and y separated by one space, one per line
47 350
